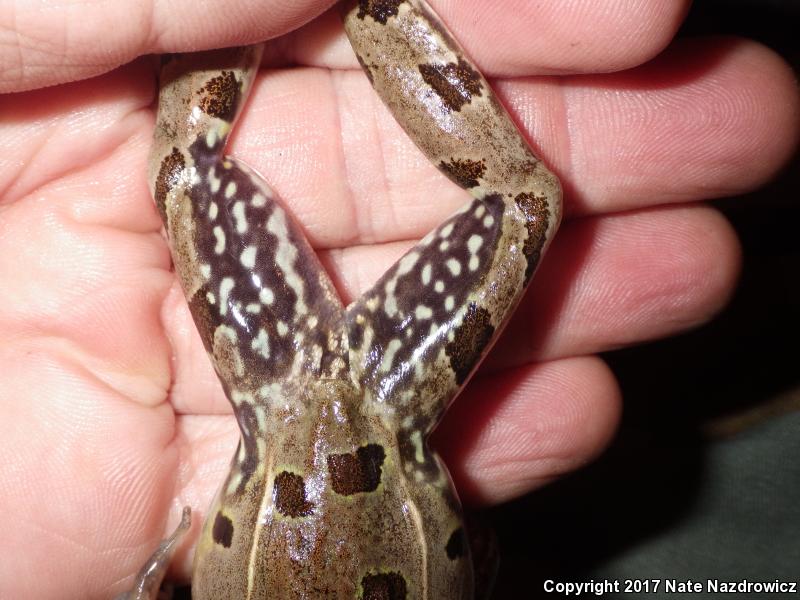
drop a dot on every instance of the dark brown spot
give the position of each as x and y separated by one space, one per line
456 543
222 532
221 96
464 172
455 84
168 177
380 10
471 337
384 586
359 472
537 219
290 495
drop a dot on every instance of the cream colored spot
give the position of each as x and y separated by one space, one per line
419 451
211 138
474 243
266 295
227 164
261 343
253 308
479 211
444 246
259 200
283 329
423 312
219 234
285 257
407 263
214 182
439 286
312 322
225 288
454 266
236 479
230 189
205 271
212 299
213 211
446 231
261 417
388 357
449 303
427 272
248 257
474 263
240 216
488 221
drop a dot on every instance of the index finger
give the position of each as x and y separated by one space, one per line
50 43
75 40
517 38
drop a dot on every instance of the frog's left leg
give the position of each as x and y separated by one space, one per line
149 578
419 333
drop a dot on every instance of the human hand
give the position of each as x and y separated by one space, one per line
111 416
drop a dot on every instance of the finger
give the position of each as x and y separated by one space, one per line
519 38
624 279
67 41
708 118
555 37
514 431
662 133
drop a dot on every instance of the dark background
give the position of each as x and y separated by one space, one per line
703 480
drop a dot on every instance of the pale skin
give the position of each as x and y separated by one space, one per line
110 416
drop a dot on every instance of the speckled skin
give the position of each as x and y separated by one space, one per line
333 492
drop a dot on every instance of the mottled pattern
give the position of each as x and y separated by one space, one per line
537 220
454 83
220 96
469 341
384 586
333 491
222 531
169 174
290 495
379 10
466 173
358 472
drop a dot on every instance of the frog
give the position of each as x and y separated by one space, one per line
333 491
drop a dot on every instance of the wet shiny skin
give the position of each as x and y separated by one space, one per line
333 492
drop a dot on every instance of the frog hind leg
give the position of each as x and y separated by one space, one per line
148 580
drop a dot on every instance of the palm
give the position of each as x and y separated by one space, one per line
111 415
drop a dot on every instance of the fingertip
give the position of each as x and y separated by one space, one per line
717 263
772 97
